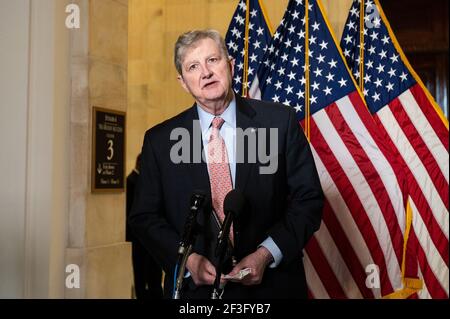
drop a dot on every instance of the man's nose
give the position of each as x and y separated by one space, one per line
206 72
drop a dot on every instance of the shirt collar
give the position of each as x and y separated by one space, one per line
229 116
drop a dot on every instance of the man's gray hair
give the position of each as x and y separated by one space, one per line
189 39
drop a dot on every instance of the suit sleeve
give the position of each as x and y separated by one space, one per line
305 197
147 218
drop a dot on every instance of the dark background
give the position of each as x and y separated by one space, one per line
421 28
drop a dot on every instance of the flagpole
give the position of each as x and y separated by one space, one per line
245 75
307 110
361 45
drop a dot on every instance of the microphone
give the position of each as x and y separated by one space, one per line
197 200
232 207
190 228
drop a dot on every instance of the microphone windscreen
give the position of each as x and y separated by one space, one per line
233 202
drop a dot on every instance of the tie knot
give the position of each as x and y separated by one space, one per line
217 122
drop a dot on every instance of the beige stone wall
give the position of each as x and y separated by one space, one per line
97 221
153 91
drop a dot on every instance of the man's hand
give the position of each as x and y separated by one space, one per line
201 269
258 262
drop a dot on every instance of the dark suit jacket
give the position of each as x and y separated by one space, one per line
286 205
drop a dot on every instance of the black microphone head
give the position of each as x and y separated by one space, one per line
233 202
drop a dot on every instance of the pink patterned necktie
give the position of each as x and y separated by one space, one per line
219 170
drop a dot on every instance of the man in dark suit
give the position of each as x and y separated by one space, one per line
283 197
147 273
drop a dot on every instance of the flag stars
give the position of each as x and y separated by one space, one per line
301 34
391 72
330 77
289 89
376 96
385 40
327 91
369 64
380 68
332 63
394 58
342 82
403 76
298 108
372 50
321 58
281 71
315 86
295 15
365 92
278 85
348 39
351 25
313 99
312 40
315 26
382 54
367 78
298 48
291 76
260 31
377 22
294 61
390 87
276 98
323 45
378 82
318 72
300 94
374 36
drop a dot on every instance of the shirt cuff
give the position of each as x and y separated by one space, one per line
270 245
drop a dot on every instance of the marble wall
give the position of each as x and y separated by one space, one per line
97 221
154 94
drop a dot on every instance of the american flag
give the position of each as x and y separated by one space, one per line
246 39
413 124
364 216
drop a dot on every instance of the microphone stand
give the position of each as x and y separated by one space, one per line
186 245
182 260
221 250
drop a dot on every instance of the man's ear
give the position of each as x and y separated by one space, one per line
232 62
182 83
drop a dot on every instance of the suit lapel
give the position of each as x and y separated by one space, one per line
244 120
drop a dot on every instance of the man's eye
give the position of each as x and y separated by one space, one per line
193 67
213 60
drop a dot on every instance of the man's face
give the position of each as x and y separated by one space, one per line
206 73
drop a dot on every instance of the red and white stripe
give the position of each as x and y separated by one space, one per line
364 217
417 133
